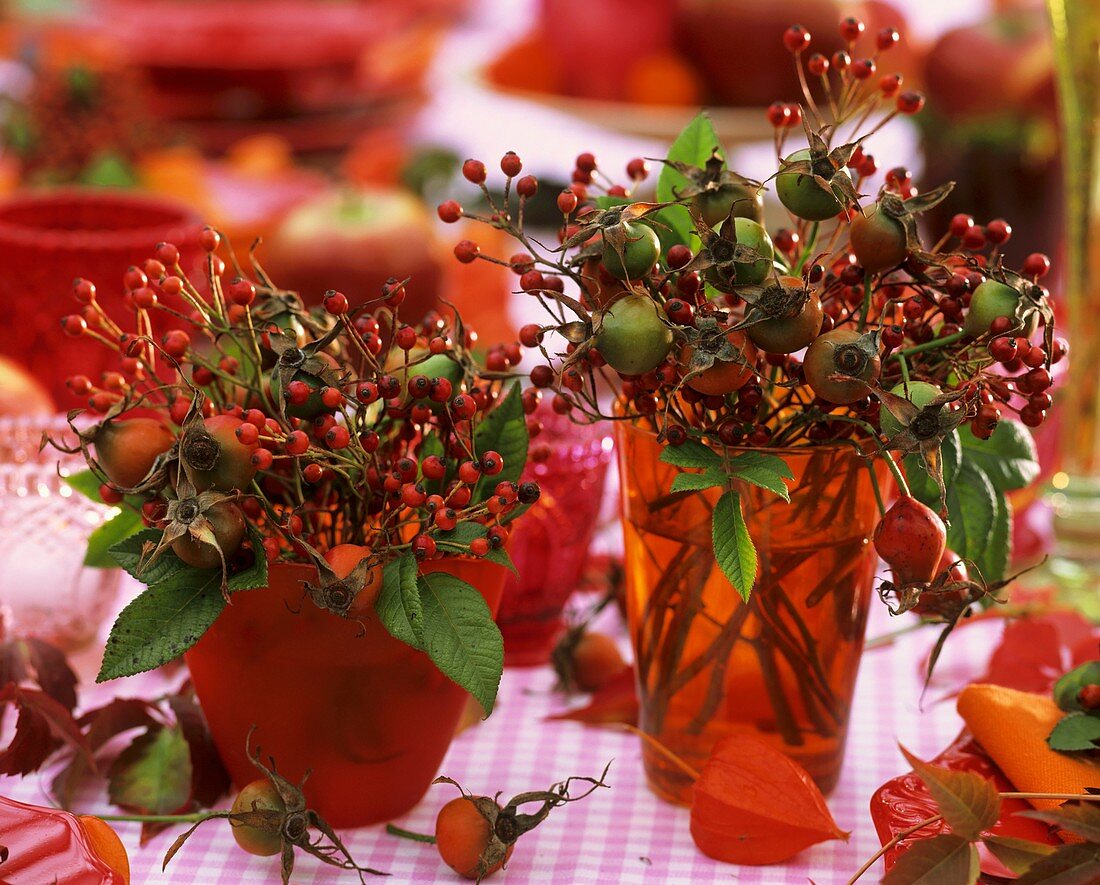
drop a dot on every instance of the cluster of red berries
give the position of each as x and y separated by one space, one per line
328 428
796 337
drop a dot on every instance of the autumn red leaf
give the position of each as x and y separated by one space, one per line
42 727
210 780
754 805
616 702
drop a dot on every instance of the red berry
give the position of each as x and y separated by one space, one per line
479 546
779 114
817 64
864 69
469 472
209 239
910 102
1003 350
586 162
296 443
450 211
637 169
889 84
974 239
678 256
73 325
241 292
510 164
423 547
1036 265
567 202
527 186
886 39
851 28
474 171
492 463
83 290
336 303
464 406
796 38
467 251
998 231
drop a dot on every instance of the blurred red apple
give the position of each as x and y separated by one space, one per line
738 44
20 393
596 42
1016 45
353 241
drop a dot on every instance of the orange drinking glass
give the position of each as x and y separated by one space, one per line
782 666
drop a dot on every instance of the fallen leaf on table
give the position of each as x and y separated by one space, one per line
942 860
969 803
754 805
616 702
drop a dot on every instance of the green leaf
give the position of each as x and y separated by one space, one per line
1017 854
972 509
1069 686
254 577
162 623
516 512
121 526
921 484
1069 865
691 454
761 461
398 604
500 556
85 482
1008 457
941 860
1076 732
461 637
153 774
765 471
733 548
605 201
128 554
969 803
504 430
1082 818
461 535
692 146
694 482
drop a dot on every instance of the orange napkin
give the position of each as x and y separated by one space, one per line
1012 726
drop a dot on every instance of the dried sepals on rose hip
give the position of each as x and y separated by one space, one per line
270 817
475 835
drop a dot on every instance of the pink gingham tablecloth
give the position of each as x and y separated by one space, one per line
623 834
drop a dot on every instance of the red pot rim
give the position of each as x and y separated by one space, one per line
161 220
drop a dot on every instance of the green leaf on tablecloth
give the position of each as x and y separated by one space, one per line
733 548
121 526
461 637
691 454
1016 854
1069 865
940 860
1069 686
153 774
398 604
504 430
1008 457
969 803
1076 732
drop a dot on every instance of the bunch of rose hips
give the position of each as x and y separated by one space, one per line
849 324
751 338
339 432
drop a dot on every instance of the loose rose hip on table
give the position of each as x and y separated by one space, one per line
776 394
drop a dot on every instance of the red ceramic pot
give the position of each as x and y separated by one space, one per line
550 544
46 240
369 715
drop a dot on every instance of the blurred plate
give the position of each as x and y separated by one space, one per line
658 122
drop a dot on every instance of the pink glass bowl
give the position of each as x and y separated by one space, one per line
550 544
45 589
49 238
